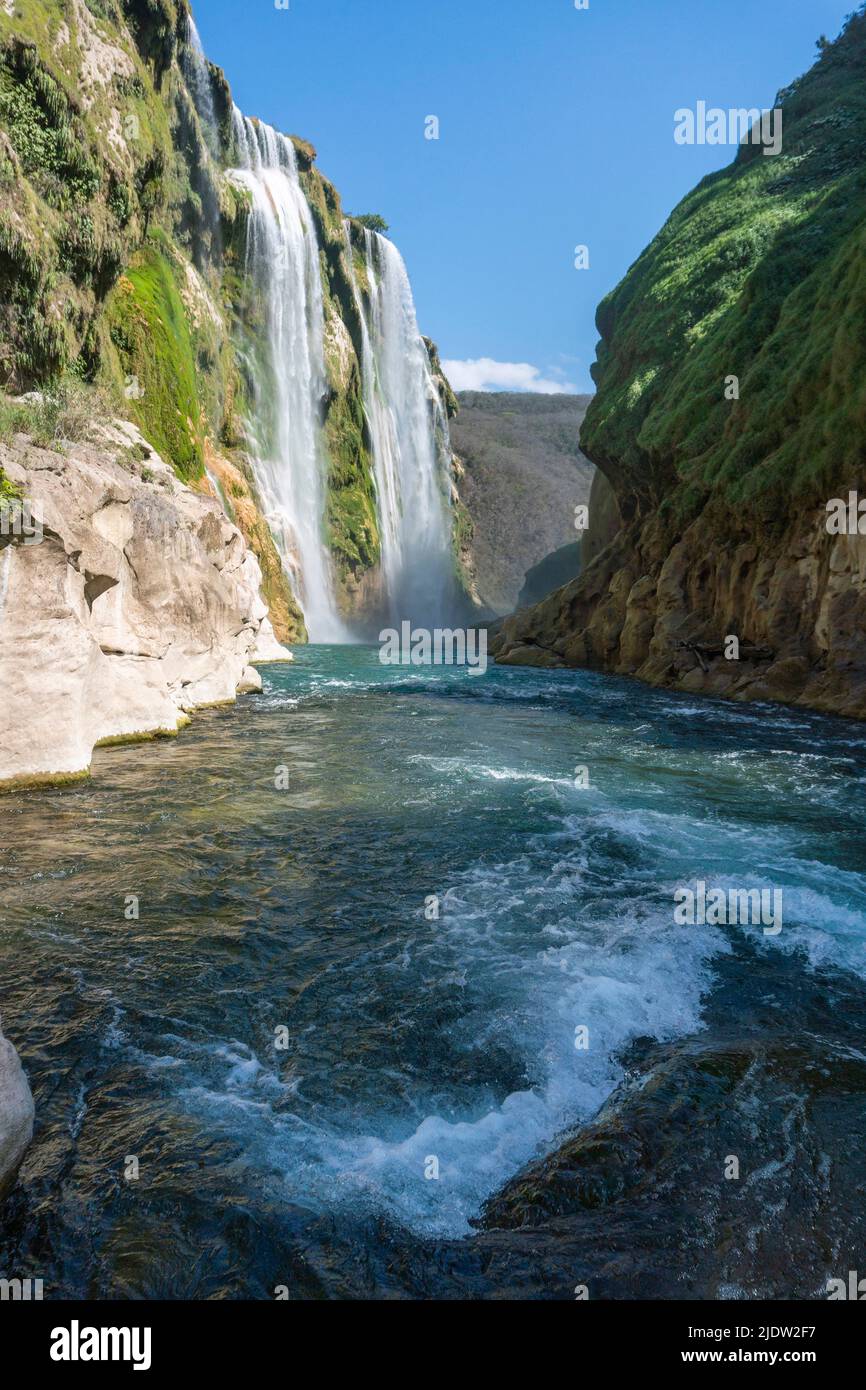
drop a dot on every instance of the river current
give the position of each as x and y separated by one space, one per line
302 990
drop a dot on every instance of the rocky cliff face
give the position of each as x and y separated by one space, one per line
123 264
729 413
127 600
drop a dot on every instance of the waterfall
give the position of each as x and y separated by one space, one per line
407 423
411 448
288 455
198 81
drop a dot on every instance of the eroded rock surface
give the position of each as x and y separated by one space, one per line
140 603
661 612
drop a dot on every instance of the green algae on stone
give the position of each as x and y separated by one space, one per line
150 332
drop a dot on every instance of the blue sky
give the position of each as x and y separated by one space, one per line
556 129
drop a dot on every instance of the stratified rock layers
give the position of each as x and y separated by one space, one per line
648 609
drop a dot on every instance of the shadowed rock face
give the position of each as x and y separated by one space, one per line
800 601
556 569
563 565
520 475
140 603
728 416
16 1114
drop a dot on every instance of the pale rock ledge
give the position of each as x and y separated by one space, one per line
140 604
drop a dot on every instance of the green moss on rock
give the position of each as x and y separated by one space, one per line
151 336
352 529
760 273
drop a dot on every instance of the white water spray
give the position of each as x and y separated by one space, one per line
411 448
289 462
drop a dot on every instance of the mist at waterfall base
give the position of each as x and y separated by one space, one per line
302 915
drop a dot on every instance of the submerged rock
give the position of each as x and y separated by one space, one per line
16 1114
133 602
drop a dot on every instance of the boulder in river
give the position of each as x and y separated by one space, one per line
16 1114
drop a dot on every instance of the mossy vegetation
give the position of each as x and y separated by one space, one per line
351 523
44 130
150 334
759 274
450 403
99 147
8 490
159 26
31 782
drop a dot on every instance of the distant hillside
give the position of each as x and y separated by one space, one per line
523 476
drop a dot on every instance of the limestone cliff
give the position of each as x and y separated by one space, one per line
729 413
127 600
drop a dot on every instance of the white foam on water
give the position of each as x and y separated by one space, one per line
538 957
460 767
576 928
633 975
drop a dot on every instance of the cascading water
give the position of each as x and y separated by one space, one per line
289 461
407 423
198 81
411 449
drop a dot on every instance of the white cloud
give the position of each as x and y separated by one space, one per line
483 374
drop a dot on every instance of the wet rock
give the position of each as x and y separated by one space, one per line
16 1114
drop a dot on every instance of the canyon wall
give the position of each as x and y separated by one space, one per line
729 413
520 475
